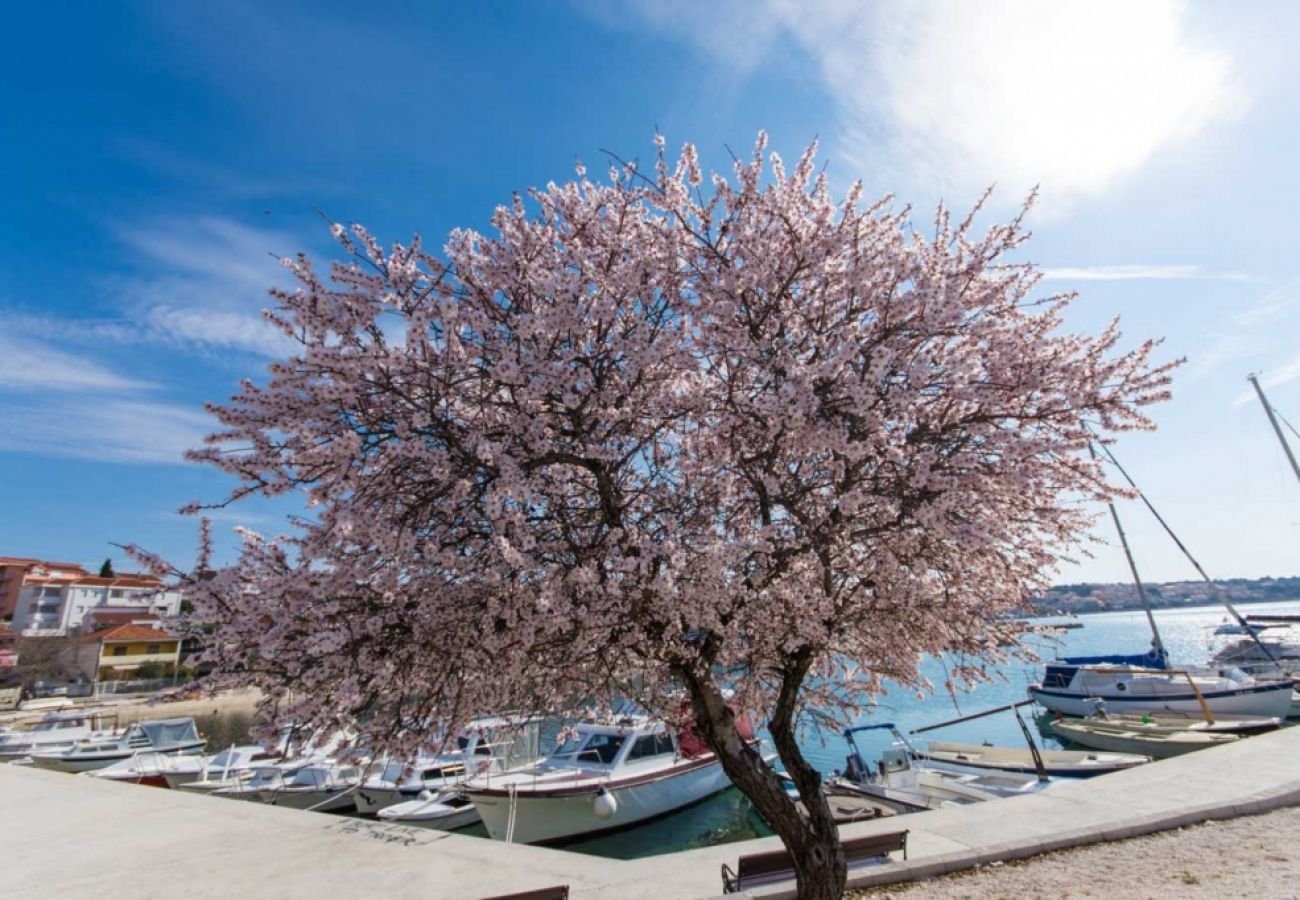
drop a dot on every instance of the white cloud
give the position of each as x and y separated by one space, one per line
28 365
104 429
206 285
954 95
1132 272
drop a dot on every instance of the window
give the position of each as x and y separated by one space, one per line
650 745
602 748
117 593
151 649
119 651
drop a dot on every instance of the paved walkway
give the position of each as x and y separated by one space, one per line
80 837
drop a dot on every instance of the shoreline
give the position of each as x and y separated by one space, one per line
239 700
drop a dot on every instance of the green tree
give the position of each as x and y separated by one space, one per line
106 570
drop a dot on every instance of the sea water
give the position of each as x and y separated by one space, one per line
1188 635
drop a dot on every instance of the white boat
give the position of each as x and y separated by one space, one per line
445 811
1126 737
985 757
176 736
174 771
56 731
1135 685
607 776
486 745
907 784
1175 721
318 786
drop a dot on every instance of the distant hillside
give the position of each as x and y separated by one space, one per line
1089 598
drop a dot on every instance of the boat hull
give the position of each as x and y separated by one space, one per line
977 758
370 800
431 814
559 816
314 800
1261 700
88 762
1160 746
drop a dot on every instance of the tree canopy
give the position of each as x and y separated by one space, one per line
652 434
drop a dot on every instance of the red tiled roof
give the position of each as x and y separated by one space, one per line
131 633
139 581
30 561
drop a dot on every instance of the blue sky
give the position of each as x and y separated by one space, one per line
157 155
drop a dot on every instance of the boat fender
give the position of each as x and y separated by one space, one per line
425 794
605 804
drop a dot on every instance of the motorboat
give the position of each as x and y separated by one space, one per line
1145 683
606 775
235 763
320 786
906 783
170 770
445 811
1130 737
986 757
56 731
493 744
846 805
174 736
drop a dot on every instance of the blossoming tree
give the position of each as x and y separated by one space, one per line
736 442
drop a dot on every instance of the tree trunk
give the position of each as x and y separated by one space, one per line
813 841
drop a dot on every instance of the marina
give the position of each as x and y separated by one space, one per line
719 815
304 855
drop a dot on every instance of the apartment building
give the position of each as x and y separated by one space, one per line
65 602
15 570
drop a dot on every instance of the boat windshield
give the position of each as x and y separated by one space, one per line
481 746
598 748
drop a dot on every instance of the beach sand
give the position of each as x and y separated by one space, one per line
1252 856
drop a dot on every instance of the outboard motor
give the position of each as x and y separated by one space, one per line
855 769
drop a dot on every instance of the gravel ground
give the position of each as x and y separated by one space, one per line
1253 856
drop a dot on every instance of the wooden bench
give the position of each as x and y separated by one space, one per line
559 892
775 866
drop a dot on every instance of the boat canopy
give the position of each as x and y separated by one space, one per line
1152 659
169 732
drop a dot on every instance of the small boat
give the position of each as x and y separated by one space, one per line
175 736
56 731
487 744
846 805
170 770
1130 737
986 757
445 811
606 776
906 783
1171 721
318 786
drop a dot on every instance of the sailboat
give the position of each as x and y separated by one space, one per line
1146 682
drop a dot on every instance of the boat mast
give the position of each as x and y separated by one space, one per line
1214 585
1277 429
1156 642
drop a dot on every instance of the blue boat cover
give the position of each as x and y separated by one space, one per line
1152 659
